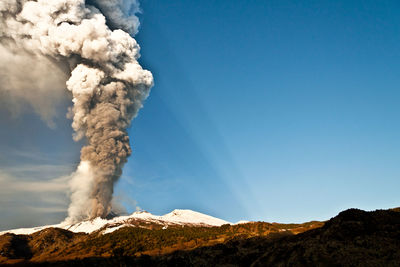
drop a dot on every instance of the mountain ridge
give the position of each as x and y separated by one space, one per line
352 238
175 217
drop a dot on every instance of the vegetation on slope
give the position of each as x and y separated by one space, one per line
53 244
353 238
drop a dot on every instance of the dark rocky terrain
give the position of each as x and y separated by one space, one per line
352 238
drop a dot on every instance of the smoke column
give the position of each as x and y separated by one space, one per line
91 43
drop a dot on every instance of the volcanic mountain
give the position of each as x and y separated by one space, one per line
141 219
188 238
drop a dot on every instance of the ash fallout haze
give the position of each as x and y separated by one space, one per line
261 110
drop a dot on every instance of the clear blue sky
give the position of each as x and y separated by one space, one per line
262 110
270 110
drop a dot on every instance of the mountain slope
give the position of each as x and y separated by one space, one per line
353 238
176 217
135 236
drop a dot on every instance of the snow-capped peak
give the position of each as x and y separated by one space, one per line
176 217
194 217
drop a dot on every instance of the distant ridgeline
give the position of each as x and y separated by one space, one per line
353 238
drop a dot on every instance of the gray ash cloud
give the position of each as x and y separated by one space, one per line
91 44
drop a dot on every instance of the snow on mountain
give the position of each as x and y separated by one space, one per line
242 222
176 217
193 217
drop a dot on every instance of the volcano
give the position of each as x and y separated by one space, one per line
188 238
177 217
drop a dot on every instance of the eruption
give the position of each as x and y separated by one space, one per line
91 43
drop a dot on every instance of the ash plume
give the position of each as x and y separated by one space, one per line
90 43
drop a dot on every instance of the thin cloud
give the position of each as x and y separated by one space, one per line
29 172
38 201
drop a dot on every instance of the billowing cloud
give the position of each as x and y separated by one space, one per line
91 44
22 91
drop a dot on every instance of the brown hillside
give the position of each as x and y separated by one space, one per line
55 245
353 238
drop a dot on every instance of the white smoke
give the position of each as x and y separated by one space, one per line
118 13
21 90
106 81
81 184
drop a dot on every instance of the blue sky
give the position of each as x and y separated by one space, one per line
271 110
261 110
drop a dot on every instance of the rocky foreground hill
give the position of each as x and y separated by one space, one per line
352 238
